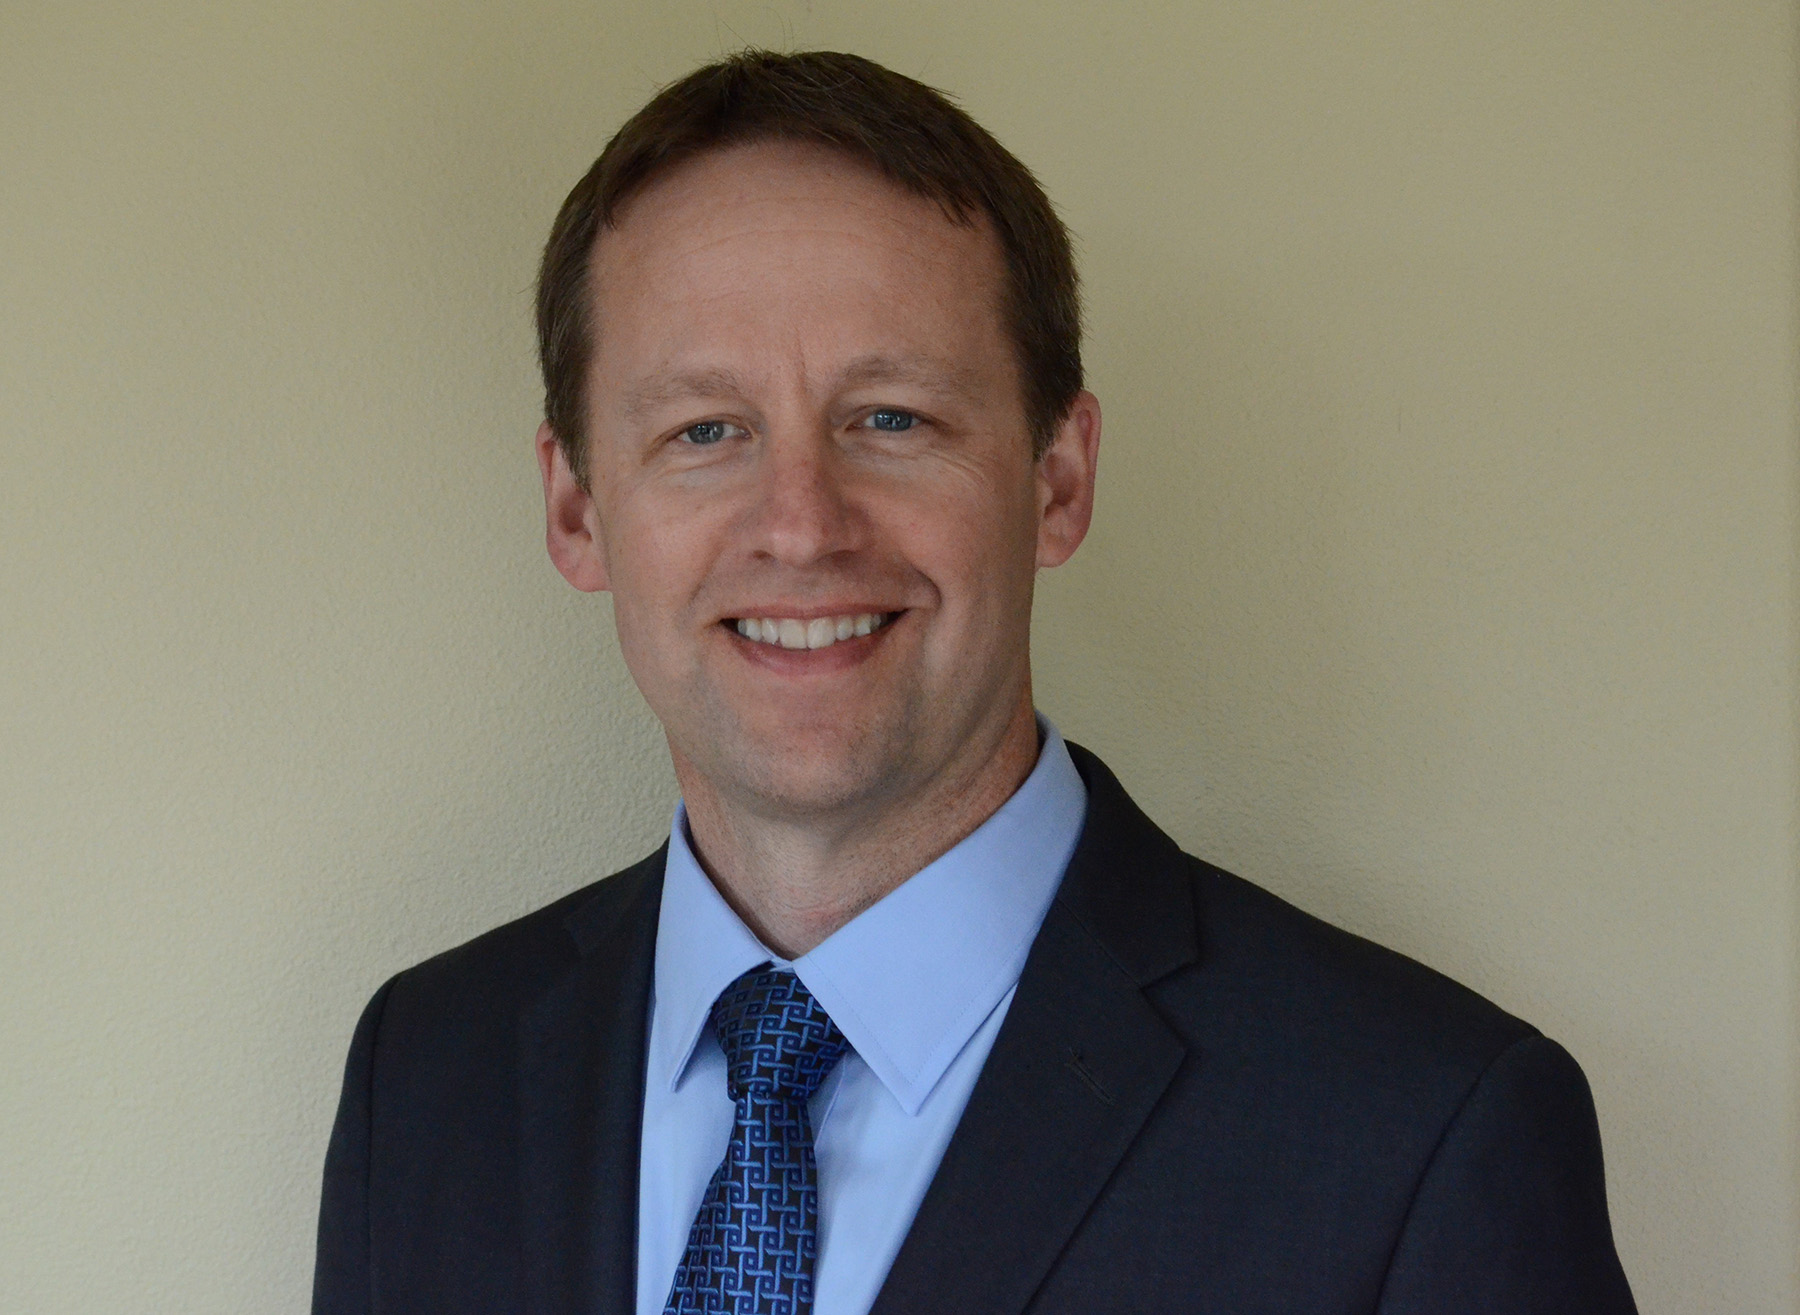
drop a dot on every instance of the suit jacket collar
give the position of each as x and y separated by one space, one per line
1128 883
581 1085
1080 1062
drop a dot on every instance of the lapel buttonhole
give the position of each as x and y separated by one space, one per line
1076 1063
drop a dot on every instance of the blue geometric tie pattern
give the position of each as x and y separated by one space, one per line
755 1239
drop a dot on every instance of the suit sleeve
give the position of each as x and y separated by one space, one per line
341 1270
1510 1215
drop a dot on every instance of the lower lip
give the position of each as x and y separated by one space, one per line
838 656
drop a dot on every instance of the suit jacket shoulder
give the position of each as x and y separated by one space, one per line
484 1155
1205 1098
1323 1016
460 995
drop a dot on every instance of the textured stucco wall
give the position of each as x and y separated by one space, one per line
1444 578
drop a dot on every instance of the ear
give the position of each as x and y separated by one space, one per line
1065 479
571 522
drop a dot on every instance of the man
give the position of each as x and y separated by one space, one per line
915 1011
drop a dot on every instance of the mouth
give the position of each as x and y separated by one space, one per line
810 632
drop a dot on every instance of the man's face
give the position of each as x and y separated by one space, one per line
812 489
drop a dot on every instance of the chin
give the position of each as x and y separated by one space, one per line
827 771
818 784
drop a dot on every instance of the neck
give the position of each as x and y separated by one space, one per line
795 880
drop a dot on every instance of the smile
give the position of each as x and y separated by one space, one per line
819 632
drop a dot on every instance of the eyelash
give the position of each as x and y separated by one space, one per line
687 434
911 419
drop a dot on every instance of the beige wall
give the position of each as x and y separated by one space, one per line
1444 578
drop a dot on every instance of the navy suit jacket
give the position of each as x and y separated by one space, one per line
1201 1099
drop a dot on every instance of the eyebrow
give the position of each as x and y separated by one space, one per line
922 370
660 390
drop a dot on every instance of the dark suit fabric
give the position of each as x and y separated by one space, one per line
1201 1099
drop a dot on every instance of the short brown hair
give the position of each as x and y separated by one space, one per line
912 133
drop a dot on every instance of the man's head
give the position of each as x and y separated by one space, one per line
909 133
808 468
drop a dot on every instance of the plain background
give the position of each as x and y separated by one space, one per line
1443 581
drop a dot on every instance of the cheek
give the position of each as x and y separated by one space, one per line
654 567
981 549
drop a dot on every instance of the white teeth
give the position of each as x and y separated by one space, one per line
820 632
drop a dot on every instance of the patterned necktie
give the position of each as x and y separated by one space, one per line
754 1241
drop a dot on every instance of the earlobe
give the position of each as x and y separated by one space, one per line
1065 475
571 526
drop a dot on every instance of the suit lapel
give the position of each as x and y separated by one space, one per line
582 1051
1079 1063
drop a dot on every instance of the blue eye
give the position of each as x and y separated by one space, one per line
707 432
892 422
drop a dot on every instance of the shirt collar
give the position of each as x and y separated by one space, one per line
911 977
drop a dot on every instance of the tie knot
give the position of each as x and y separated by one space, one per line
778 1040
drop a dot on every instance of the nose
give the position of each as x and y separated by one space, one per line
807 510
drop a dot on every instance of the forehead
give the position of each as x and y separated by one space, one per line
780 244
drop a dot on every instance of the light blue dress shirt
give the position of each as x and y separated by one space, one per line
919 983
